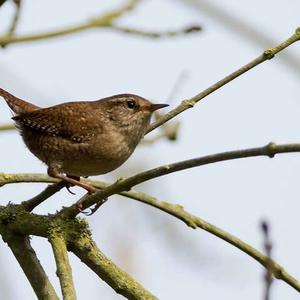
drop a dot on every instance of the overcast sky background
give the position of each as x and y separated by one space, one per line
171 260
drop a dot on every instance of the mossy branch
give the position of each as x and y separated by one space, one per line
79 239
27 259
64 271
16 221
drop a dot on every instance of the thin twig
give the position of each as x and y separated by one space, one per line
126 184
155 34
104 21
64 271
269 266
186 104
15 20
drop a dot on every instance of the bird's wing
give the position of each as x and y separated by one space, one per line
64 120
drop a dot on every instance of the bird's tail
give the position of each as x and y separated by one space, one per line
17 105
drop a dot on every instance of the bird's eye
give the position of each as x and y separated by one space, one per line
131 104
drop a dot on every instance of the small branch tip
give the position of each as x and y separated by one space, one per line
265 227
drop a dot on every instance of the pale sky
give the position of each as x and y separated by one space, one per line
168 258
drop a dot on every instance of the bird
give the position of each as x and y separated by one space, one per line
82 138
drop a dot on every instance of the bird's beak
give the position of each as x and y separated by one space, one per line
155 107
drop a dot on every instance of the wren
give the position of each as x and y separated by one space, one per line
83 138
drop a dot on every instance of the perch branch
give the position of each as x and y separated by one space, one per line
126 184
64 271
186 104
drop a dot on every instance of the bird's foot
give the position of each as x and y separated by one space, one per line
90 211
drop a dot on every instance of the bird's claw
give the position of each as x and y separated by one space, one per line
91 210
68 187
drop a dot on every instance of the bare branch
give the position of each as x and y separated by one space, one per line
186 104
193 221
104 21
64 271
269 267
26 257
126 184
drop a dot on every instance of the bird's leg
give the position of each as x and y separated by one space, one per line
53 172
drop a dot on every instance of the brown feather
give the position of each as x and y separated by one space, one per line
59 121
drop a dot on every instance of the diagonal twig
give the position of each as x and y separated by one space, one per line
189 103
